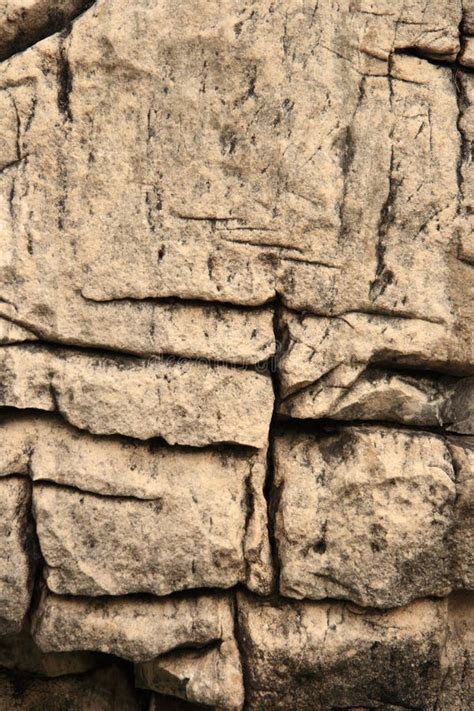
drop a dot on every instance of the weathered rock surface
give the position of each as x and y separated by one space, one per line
184 402
317 656
185 538
212 677
202 204
462 455
135 628
368 515
202 513
17 553
103 690
234 210
342 368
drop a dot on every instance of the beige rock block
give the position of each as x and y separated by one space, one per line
457 687
315 346
462 454
466 57
52 451
17 553
346 368
212 677
468 16
191 535
184 402
235 210
20 652
315 656
352 393
107 689
367 514
135 628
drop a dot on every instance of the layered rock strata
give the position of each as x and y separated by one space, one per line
236 355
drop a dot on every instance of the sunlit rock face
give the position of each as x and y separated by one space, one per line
236 355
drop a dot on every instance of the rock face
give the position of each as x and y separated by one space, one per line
183 402
236 355
325 655
369 515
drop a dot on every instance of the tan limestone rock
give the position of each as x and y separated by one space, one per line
457 686
186 479
17 553
367 514
462 454
182 401
235 210
186 538
343 368
135 628
212 677
316 656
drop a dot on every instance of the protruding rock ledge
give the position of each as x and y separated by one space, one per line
373 515
346 368
183 402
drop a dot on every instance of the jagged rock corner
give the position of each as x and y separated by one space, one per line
236 355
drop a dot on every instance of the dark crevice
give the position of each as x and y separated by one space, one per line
444 63
240 642
224 449
125 360
53 22
64 77
327 426
74 489
270 491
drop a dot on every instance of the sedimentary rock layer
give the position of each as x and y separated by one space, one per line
236 355
183 402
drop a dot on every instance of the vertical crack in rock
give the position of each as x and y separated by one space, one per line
65 77
383 275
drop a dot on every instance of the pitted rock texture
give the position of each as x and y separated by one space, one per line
236 355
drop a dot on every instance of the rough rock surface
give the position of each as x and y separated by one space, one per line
328 655
105 690
369 515
184 402
236 355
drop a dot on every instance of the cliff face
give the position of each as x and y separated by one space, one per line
236 355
